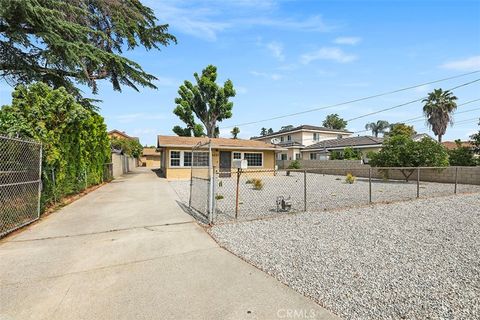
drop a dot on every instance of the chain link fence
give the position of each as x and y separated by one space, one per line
253 194
20 183
201 199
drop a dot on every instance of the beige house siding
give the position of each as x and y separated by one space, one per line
185 172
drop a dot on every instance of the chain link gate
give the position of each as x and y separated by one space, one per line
201 180
20 183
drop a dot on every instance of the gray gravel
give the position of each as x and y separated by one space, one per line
324 192
410 260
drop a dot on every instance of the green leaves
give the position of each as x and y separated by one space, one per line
438 107
79 41
206 101
74 139
333 121
402 151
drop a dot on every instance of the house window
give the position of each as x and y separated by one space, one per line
283 156
313 156
297 156
200 159
175 158
316 136
282 139
289 138
253 159
187 159
237 155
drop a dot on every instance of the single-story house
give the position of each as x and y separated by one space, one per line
150 158
176 154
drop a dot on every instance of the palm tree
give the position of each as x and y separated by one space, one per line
235 131
438 109
377 127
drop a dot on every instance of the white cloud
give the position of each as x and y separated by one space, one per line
206 20
276 49
241 90
347 40
468 64
328 53
272 76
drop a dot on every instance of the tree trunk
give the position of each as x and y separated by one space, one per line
439 138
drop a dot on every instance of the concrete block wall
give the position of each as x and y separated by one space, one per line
465 175
122 164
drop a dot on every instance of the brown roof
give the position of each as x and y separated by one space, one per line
175 141
361 141
150 152
123 134
450 145
302 127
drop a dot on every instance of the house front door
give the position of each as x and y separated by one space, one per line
225 164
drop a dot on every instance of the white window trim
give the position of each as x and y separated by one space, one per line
243 158
182 156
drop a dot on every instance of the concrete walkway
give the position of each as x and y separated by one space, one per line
127 251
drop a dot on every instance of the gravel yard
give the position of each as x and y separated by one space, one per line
408 260
323 192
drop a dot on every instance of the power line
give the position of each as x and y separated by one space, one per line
458 105
352 101
407 103
421 117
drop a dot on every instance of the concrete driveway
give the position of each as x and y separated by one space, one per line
127 251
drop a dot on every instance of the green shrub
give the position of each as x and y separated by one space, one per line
295 164
218 197
257 184
75 141
350 178
249 181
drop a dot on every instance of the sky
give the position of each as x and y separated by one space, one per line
289 56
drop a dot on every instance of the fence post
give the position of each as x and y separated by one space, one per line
214 194
369 185
85 174
456 179
304 190
418 182
39 180
237 192
210 183
54 186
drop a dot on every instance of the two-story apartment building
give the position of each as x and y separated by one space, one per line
294 140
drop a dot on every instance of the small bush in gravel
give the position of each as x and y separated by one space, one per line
350 178
257 184
249 181
218 197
